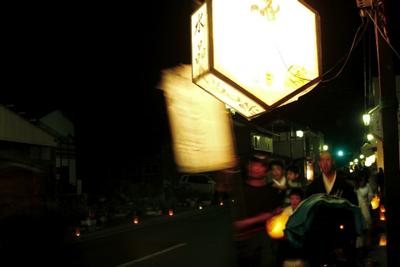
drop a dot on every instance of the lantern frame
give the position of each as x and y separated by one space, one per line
241 99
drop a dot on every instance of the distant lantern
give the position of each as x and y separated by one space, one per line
77 232
136 220
170 212
382 240
382 209
382 216
256 55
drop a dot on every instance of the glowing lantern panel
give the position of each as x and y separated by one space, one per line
267 58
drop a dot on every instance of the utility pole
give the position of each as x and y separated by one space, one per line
389 109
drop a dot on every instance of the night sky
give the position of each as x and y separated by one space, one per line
100 64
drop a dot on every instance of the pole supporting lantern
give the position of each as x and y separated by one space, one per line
256 55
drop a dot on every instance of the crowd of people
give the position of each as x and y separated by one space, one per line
267 188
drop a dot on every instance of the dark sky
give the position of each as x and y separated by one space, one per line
101 63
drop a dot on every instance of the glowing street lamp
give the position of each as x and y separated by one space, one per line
299 133
340 153
325 148
362 156
370 137
256 55
366 119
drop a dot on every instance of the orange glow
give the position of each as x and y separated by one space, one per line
382 240
276 225
136 220
382 208
341 227
375 202
77 232
382 216
170 212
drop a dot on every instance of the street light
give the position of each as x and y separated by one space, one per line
340 153
366 119
370 137
362 156
299 133
325 148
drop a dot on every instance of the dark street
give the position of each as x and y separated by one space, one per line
198 238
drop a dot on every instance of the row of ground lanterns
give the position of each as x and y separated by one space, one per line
136 219
275 227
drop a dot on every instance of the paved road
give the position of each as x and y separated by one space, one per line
201 239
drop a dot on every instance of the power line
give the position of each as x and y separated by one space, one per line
356 40
383 36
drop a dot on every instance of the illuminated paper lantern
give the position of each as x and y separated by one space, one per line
135 220
256 55
276 225
77 232
200 125
170 212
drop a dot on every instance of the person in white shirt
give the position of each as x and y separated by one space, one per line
278 175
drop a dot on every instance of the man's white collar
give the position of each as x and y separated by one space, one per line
328 183
282 182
